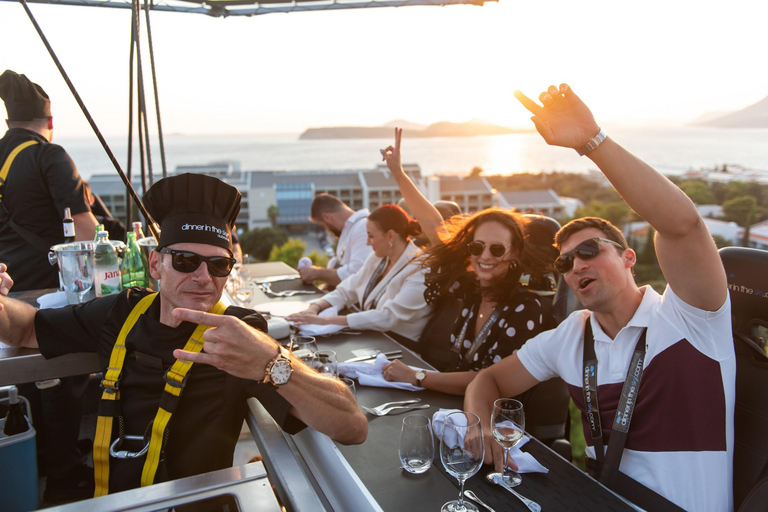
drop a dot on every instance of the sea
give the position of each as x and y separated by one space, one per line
671 150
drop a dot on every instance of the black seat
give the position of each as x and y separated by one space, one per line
747 271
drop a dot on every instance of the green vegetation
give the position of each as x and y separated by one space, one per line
260 241
290 252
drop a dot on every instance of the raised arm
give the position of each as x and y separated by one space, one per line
685 249
429 218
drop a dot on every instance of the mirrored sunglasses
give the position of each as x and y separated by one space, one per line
585 251
187 262
477 247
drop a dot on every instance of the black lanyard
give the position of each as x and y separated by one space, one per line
372 281
610 461
479 339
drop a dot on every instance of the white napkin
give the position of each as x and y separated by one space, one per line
320 330
369 374
526 463
438 422
52 300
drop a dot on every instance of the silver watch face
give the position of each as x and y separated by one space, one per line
280 372
420 375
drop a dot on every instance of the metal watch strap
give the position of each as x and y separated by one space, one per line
592 143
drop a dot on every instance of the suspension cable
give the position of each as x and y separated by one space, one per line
90 120
154 87
128 202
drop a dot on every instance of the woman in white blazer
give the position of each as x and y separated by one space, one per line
388 290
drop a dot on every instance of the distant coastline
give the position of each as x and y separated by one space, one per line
441 129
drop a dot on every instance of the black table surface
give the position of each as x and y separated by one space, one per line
377 464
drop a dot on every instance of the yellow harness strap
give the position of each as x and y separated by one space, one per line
8 161
175 380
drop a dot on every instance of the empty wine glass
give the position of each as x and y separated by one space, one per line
304 347
461 452
417 446
83 280
244 293
508 425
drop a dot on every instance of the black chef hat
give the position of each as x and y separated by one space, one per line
24 100
193 208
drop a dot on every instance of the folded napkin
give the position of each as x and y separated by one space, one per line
369 374
320 330
52 300
526 463
452 438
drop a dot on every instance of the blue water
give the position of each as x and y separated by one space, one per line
671 150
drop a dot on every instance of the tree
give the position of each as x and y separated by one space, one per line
259 242
741 210
616 212
698 191
475 172
319 259
273 213
290 252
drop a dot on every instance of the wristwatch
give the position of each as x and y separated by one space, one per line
278 370
420 376
592 143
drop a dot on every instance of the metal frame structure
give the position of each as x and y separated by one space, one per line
225 8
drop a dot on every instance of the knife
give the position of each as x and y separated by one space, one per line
274 279
395 354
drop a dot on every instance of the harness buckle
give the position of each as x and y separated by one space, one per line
109 389
125 454
174 383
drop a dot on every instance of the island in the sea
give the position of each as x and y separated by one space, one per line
441 129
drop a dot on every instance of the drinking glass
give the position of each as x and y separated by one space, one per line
350 385
461 452
507 425
325 363
78 276
244 293
417 446
304 347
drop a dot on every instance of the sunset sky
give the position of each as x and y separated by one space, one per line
651 62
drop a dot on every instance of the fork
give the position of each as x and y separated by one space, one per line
396 402
384 412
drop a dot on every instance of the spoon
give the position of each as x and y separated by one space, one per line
469 494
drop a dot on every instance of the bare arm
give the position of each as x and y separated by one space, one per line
506 378
685 249
320 402
326 275
85 226
17 323
452 383
429 218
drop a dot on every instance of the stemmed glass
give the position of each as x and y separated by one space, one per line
508 425
304 347
83 280
461 451
244 292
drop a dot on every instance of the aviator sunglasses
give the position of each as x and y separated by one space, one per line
585 251
477 247
187 262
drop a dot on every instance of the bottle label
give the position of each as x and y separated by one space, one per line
69 229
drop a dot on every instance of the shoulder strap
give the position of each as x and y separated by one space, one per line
27 235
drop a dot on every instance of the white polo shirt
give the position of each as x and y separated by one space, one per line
352 249
680 442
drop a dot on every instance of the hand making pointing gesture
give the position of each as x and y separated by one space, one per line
563 120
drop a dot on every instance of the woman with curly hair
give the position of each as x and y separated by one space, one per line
389 287
477 261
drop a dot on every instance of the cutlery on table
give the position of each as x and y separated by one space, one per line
472 496
496 478
384 412
396 402
395 354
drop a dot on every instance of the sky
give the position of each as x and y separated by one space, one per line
650 62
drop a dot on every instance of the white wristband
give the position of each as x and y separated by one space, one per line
592 143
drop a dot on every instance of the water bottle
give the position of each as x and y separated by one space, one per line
105 266
133 270
69 226
15 422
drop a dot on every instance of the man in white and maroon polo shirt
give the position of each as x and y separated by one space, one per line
680 439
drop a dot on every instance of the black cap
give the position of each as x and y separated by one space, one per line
193 208
24 100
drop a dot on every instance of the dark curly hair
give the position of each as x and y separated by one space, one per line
451 259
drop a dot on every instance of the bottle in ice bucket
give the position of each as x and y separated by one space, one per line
15 422
137 229
69 226
99 227
105 266
133 270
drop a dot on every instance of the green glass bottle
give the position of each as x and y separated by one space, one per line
134 268
99 227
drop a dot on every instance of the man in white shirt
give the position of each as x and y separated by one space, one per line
679 443
351 251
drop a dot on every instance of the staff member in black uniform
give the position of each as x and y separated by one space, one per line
39 180
42 180
238 359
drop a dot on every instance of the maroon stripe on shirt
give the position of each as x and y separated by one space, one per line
680 404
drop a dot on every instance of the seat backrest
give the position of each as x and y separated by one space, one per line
747 273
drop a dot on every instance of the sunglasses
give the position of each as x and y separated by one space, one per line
477 247
187 262
585 251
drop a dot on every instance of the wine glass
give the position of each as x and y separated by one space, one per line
417 446
83 281
508 425
461 452
325 363
304 347
244 293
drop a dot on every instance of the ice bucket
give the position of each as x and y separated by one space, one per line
75 262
